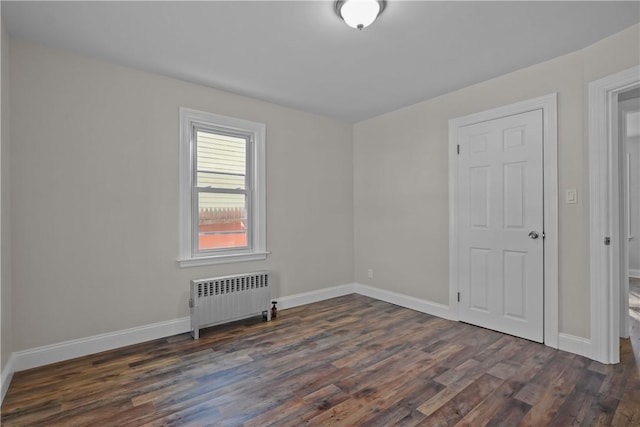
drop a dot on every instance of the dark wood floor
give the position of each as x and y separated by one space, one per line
343 362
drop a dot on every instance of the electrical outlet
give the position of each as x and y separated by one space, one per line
370 273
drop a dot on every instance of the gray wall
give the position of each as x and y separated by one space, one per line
401 175
94 197
94 188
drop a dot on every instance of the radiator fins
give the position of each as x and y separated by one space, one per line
220 300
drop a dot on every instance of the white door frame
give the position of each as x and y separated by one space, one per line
604 210
548 105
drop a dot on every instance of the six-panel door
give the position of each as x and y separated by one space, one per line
500 223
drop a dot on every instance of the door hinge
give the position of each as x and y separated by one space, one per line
458 148
607 241
458 296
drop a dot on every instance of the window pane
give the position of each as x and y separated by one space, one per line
222 221
220 153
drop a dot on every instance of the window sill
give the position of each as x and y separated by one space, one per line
222 259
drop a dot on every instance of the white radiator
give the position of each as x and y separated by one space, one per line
224 299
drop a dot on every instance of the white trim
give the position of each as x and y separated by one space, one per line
296 300
413 303
45 355
548 104
7 376
605 297
575 345
634 273
256 171
32 358
453 224
223 259
39 356
401 300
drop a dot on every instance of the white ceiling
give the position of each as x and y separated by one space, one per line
300 54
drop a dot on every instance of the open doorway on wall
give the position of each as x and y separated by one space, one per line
629 162
609 217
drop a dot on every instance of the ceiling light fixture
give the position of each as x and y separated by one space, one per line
359 13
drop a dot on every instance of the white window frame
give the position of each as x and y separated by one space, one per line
256 186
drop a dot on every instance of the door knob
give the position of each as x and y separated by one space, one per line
534 234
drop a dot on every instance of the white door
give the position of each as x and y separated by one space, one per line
500 223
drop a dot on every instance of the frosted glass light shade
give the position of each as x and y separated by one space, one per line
359 13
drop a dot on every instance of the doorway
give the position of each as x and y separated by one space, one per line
629 166
609 238
535 242
500 225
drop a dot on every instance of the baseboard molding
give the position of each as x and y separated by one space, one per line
575 345
417 304
634 273
7 376
296 300
45 355
66 350
401 300
32 358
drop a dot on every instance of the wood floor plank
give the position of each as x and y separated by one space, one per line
349 361
547 405
499 353
511 414
405 411
628 410
491 406
462 403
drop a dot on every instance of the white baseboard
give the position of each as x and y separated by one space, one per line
634 273
66 350
32 358
417 304
7 375
576 345
40 356
296 300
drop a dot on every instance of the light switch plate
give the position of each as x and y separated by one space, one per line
572 195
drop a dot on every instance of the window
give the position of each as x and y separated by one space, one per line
222 189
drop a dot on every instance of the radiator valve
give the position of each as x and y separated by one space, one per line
274 310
